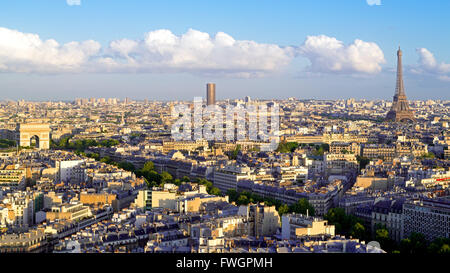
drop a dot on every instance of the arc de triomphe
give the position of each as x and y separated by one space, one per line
39 131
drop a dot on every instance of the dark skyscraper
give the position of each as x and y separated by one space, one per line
400 108
210 93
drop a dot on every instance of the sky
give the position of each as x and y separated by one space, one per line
169 50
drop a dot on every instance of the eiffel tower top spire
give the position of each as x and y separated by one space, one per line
400 88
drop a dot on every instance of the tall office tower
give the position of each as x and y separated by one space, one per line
210 93
248 99
400 108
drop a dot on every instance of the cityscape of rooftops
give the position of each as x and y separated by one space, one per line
231 127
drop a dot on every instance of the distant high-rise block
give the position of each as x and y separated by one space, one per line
210 93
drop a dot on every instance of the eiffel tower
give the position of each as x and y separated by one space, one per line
400 108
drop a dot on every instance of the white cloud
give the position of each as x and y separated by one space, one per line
374 2
73 2
329 55
429 66
25 52
196 51
159 51
193 52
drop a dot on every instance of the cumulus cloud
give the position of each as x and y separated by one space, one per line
329 55
193 52
158 51
197 51
428 65
73 2
374 2
25 52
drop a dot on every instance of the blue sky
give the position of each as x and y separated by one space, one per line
279 62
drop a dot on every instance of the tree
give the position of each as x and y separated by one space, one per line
363 161
177 182
215 191
344 224
153 176
414 244
185 179
235 152
148 166
358 231
106 160
445 249
128 166
382 236
428 155
166 177
283 209
287 147
243 200
95 156
233 195
6 143
302 206
439 246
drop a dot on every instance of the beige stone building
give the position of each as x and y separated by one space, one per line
262 220
34 134
295 226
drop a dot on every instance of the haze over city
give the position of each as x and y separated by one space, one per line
158 50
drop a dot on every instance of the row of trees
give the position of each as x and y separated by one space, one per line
290 147
347 225
154 178
287 147
82 144
6 143
416 243
245 198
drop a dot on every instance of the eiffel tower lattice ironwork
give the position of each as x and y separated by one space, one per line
400 110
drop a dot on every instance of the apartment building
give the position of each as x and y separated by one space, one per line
389 214
429 217
295 226
226 178
13 178
263 220
340 163
345 147
73 211
71 171
379 151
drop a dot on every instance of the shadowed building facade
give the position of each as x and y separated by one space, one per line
400 108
